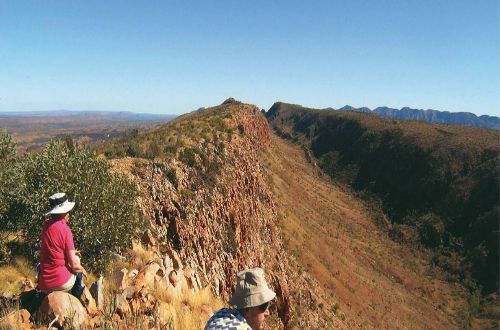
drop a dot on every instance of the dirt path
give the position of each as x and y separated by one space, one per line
376 282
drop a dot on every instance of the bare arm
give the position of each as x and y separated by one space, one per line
73 257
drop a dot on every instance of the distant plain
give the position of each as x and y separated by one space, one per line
33 130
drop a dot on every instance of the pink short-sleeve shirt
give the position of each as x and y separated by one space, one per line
57 239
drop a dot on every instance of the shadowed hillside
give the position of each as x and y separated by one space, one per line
438 184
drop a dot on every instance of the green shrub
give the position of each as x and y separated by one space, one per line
134 150
105 217
154 150
9 178
171 175
188 156
9 183
7 147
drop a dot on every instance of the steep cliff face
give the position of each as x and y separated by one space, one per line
213 206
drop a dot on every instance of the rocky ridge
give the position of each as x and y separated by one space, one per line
217 212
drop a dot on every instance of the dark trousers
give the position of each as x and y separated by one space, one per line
78 286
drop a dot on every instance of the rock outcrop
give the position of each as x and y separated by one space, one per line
62 309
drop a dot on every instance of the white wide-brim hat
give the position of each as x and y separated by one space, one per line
251 289
59 204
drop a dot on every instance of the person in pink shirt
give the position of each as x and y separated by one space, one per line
60 267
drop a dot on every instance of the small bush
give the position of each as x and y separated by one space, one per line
188 156
154 150
7 147
171 175
134 150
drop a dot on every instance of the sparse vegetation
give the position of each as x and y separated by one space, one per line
11 274
180 137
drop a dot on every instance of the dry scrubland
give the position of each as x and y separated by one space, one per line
199 179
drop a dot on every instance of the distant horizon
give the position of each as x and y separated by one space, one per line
266 109
174 57
89 110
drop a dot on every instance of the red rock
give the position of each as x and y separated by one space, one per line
88 302
148 239
25 317
120 279
122 306
149 276
173 278
190 277
66 308
176 260
143 302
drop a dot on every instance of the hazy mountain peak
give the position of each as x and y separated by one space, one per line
347 108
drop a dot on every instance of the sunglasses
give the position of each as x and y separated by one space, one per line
263 307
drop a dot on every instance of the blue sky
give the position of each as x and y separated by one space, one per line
176 56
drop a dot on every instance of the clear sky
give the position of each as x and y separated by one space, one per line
176 56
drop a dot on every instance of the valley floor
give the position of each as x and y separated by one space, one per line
377 282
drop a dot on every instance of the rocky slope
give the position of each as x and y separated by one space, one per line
211 203
375 282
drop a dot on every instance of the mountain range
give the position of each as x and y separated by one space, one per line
433 116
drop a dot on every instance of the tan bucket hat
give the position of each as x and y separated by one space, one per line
251 289
59 204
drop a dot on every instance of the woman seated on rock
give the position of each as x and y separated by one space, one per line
251 301
60 268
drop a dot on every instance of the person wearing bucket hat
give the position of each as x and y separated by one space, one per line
60 267
250 302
